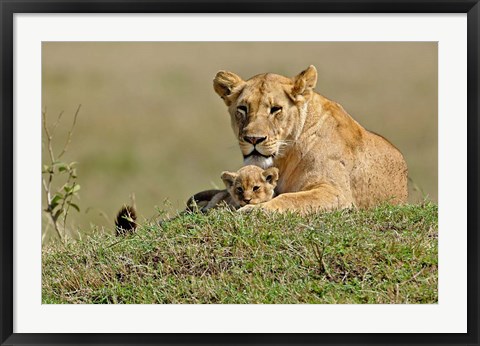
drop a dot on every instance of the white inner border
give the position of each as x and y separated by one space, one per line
448 316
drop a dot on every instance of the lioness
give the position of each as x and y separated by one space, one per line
326 160
250 185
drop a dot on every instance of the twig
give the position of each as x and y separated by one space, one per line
49 137
413 277
397 286
319 256
55 124
69 139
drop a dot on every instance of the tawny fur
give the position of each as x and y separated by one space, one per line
326 160
250 185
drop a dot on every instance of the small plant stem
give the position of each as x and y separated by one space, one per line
54 126
65 202
50 176
55 168
49 211
69 138
49 137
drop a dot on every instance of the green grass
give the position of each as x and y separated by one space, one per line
384 255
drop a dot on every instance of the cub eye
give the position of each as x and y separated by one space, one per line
275 109
242 109
239 190
255 188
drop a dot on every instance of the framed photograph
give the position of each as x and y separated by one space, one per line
341 209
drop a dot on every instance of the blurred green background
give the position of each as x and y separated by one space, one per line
151 124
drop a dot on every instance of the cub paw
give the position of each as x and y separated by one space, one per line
248 208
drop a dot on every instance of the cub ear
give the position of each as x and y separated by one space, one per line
304 83
228 178
227 83
271 175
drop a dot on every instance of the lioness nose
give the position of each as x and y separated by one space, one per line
254 140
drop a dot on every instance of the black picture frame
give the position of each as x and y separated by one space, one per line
10 7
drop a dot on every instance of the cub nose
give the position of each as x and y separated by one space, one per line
247 200
254 140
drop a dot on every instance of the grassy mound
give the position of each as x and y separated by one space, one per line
384 255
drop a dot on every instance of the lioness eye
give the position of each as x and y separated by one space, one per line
239 190
275 109
255 188
242 109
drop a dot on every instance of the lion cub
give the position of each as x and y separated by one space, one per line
249 185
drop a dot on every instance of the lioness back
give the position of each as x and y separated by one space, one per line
386 168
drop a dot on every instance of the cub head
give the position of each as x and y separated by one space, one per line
251 184
267 111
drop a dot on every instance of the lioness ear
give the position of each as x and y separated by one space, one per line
228 178
304 82
227 83
271 175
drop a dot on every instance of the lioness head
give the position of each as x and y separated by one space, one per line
251 184
267 111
